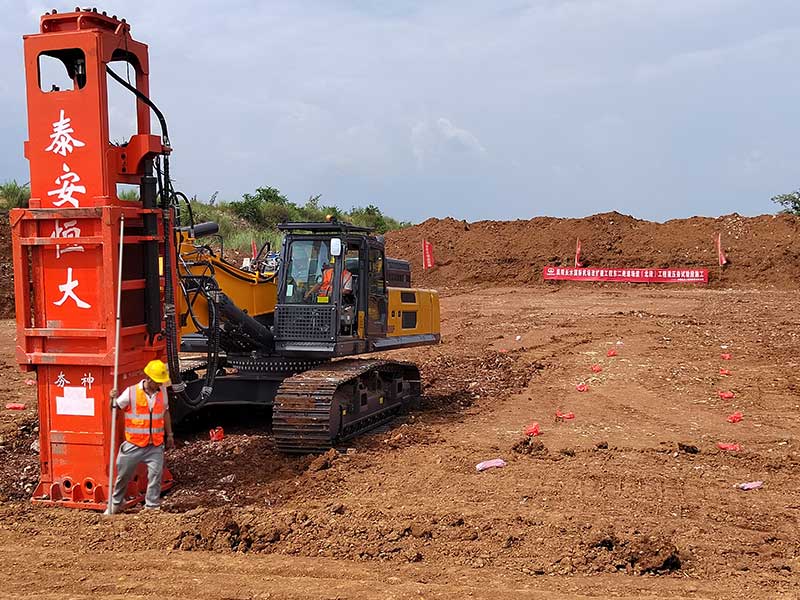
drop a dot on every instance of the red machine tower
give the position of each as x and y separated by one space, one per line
66 248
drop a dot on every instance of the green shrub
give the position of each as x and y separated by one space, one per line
790 202
256 216
14 195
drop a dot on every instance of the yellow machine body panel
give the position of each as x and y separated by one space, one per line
412 312
254 293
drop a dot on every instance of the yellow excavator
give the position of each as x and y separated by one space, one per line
282 333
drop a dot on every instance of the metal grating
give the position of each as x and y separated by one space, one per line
301 323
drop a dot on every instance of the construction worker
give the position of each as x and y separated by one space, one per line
325 287
147 429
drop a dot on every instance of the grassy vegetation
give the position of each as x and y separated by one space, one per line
14 195
253 218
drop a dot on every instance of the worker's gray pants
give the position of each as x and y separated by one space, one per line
128 458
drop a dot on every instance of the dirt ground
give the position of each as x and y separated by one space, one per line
632 498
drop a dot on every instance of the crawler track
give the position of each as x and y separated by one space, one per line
329 404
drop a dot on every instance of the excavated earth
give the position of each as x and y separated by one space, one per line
760 251
631 498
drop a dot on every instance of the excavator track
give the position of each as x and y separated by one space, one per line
328 404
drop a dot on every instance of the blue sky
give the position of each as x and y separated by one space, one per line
479 110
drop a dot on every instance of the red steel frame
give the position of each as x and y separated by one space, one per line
66 252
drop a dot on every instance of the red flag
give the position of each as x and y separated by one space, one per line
723 260
253 247
427 255
578 262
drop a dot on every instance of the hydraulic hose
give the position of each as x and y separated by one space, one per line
159 115
168 200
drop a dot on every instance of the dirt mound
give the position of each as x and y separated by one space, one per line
338 532
637 554
762 250
529 445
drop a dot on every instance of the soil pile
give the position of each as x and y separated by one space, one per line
762 250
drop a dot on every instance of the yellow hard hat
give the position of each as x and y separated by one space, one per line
157 371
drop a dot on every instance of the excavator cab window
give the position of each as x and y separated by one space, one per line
377 303
305 272
350 292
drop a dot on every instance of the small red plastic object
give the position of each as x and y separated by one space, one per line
611 352
582 387
726 356
729 447
724 371
564 416
532 429
217 434
726 395
15 406
597 369
735 417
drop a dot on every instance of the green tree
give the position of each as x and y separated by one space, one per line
263 207
372 217
790 202
14 195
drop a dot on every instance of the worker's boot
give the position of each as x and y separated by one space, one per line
112 510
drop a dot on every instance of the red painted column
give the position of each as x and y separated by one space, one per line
66 252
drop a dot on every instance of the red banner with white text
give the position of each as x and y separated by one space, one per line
427 255
626 275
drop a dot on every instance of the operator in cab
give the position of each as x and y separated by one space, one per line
148 428
324 289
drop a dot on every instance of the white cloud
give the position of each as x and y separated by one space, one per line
438 140
762 48
432 107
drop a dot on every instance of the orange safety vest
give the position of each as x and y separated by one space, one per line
326 287
142 425
327 282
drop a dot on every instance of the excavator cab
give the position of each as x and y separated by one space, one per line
332 290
